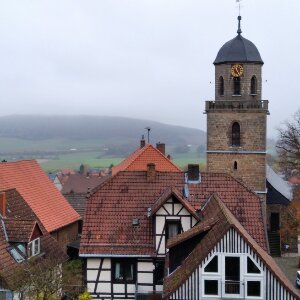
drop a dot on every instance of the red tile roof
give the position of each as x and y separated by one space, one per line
17 210
78 183
220 219
138 160
110 209
52 209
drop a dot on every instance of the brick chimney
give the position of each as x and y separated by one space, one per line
143 142
151 172
193 172
3 204
161 147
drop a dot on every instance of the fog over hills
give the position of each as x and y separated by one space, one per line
112 129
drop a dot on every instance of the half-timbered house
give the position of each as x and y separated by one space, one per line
130 218
222 261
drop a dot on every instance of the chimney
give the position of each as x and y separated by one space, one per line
151 172
161 147
143 142
193 172
3 204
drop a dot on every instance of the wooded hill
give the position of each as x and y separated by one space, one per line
82 130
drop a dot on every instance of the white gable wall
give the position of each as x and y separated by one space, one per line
232 244
170 211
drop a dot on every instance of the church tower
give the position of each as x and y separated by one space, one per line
237 118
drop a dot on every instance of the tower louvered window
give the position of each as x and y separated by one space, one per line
221 86
236 85
253 85
236 135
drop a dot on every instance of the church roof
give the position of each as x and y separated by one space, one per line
238 49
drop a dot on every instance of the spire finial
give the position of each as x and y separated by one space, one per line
239 31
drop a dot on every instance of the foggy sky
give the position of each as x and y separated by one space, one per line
148 59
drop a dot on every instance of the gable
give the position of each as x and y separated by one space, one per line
235 245
48 204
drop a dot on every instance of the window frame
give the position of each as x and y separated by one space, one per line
236 86
31 247
172 221
221 86
253 86
245 277
127 262
235 135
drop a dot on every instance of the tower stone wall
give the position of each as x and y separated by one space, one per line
250 70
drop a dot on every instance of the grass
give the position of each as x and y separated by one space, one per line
98 160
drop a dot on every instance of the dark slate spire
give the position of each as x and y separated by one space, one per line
238 49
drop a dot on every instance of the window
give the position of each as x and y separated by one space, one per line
236 86
18 257
254 288
238 275
34 247
251 267
211 287
172 228
235 135
235 165
253 85
232 275
159 272
221 86
212 266
124 270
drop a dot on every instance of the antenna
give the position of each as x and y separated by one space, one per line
148 133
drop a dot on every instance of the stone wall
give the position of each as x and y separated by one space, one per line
252 127
224 70
251 168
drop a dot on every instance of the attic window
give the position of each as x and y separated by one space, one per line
135 222
34 247
18 257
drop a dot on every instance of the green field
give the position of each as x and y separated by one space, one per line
95 160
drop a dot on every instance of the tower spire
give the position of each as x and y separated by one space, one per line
239 31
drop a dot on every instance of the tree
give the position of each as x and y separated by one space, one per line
47 278
288 145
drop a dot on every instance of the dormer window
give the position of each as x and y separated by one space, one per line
253 85
34 247
173 227
236 86
221 86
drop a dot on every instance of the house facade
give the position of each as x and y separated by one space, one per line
51 208
226 262
23 242
131 217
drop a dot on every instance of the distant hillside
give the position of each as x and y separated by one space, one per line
34 131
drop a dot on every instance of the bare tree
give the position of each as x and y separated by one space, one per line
288 145
45 278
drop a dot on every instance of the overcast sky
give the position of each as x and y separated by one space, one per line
144 59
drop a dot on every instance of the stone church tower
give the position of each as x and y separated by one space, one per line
237 118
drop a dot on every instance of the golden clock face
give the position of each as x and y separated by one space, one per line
237 70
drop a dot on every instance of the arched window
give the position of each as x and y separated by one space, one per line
235 165
221 86
236 85
235 135
253 85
